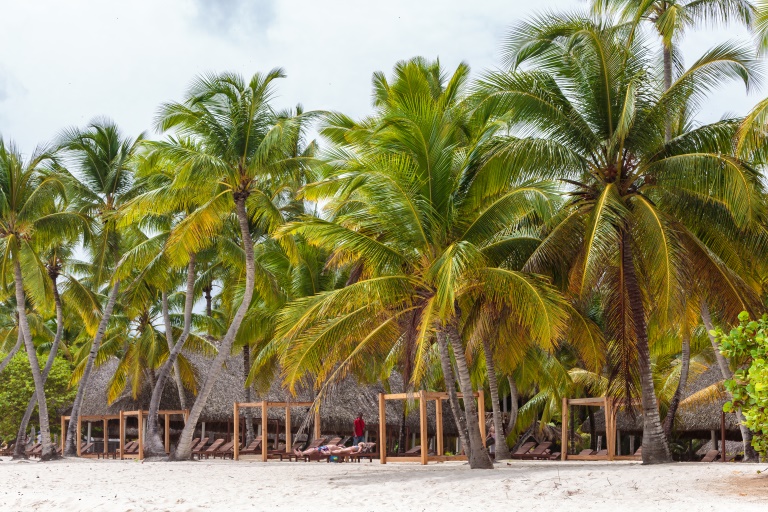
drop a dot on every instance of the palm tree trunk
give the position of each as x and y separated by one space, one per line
655 449
208 302
502 450
513 407
685 361
478 455
19 452
750 454
153 444
171 344
70 448
249 433
48 452
184 448
450 388
14 350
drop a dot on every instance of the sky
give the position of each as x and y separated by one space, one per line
64 63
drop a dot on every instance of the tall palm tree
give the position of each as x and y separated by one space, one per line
101 163
424 224
29 217
593 115
241 150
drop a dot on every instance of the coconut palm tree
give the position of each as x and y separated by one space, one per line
424 223
30 218
240 156
593 115
100 164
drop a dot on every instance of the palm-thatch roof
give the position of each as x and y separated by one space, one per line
338 409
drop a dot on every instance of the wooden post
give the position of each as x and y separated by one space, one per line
167 433
439 426
237 426
63 433
141 435
79 431
288 440
481 413
722 437
264 431
564 431
610 435
382 429
122 435
423 428
318 429
106 437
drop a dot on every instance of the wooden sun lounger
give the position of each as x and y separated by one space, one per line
588 451
211 449
538 452
525 448
369 454
225 450
33 450
317 443
253 448
198 449
711 456
131 448
7 449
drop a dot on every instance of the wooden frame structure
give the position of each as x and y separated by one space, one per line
264 406
610 427
104 418
423 397
142 415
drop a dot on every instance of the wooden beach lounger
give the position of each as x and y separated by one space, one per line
198 450
541 451
225 450
253 448
211 449
525 448
369 454
711 456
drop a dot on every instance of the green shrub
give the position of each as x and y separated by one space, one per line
17 386
747 346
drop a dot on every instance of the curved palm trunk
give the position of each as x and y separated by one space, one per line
12 353
478 456
513 407
70 446
450 388
655 449
249 433
153 445
750 454
19 452
171 344
502 450
685 362
48 452
184 448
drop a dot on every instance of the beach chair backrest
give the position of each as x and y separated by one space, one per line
416 450
201 444
320 441
525 448
215 446
541 448
333 441
226 447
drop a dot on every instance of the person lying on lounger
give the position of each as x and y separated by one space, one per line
333 450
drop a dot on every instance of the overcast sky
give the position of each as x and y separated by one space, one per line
63 63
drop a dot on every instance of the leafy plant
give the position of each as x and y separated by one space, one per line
747 345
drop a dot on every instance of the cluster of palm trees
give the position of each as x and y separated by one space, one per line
561 226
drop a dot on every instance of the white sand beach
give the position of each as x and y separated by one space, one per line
526 486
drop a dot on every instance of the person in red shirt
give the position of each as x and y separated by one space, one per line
359 429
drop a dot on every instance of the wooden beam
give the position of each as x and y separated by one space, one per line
79 432
586 401
236 419
481 413
382 429
423 428
723 452
610 434
564 431
122 436
63 433
439 427
288 439
167 433
318 426
264 431
141 435
243 405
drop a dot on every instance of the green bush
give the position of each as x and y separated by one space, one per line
17 386
747 346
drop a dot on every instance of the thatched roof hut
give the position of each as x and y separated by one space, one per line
338 409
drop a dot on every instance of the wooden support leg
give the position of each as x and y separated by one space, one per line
288 440
79 433
122 436
423 428
236 419
439 426
264 431
382 429
141 435
318 426
106 438
63 433
167 433
481 413
564 431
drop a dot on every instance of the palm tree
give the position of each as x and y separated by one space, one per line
593 115
423 224
241 149
29 217
101 168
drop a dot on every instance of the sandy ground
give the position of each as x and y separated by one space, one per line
526 486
